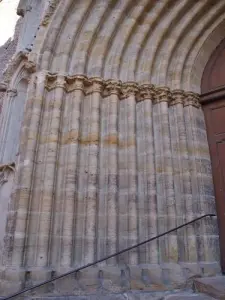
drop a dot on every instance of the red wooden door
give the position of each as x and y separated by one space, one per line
215 123
213 101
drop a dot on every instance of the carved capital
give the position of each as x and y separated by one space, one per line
30 66
50 81
177 97
192 99
60 82
146 91
163 94
55 81
96 85
5 171
129 89
50 11
112 87
77 82
12 92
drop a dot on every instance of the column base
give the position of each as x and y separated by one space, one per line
145 277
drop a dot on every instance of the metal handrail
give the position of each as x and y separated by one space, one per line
107 257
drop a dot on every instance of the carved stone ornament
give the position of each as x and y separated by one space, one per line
113 87
50 11
146 91
13 64
96 85
123 90
163 94
5 171
77 82
12 92
192 99
30 66
54 81
128 89
178 97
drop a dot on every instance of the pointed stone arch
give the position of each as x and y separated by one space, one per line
115 139
166 43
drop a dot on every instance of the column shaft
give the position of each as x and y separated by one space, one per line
88 175
147 209
26 169
164 177
107 206
127 198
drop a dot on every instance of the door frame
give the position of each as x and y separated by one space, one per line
207 98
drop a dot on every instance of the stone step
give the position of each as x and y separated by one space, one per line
213 286
188 297
132 295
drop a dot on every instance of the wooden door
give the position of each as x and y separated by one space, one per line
213 101
215 123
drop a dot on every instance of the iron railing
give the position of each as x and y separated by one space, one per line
106 257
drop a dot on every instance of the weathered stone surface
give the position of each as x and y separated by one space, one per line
113 146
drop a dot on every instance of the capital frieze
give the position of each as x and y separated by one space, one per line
146 91
123 90
177 97
113 87
55 81
192 99
95 85
163 94
129 89
60 82
76 82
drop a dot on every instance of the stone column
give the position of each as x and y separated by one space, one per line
191 108
7 173
201 178
40 232
164 177
23 193
87 191
63 242
127 197
107 206
6 117
182 178
146 174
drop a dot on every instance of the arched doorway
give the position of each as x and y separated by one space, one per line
213 100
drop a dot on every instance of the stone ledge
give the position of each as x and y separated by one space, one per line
134 295
188 297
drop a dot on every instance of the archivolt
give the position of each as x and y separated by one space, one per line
165 42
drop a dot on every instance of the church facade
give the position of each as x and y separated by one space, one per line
112 132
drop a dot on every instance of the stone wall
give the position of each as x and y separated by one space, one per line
32 12
104 165
7 51
107 159
9 48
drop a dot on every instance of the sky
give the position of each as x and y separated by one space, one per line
8 18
